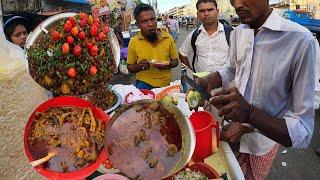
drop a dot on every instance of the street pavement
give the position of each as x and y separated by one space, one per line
294 164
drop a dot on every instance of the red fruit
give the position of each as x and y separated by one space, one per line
65 48
76 51
89 45
75 31
82 35
70 39
67 26
94 50
55 35
72 21
105 29
83 16
83 22
93 70
93 31
96 20
96 24
72 72
101 36
107 166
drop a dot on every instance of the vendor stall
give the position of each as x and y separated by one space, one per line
89 125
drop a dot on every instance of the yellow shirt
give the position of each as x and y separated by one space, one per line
164 50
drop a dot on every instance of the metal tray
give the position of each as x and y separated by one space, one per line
44 27
116 105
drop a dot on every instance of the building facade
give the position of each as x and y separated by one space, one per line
182 11
225 7
307 5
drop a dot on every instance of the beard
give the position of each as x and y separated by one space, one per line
152 37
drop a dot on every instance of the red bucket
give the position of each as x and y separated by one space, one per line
203 123
66 101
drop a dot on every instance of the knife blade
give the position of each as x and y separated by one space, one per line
188 83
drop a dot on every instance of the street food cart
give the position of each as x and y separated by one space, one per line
71 125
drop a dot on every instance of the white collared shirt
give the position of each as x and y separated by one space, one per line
275 71
212 50
173 25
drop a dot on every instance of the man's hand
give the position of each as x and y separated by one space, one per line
143 65
210 81
233 132
203 81
232 105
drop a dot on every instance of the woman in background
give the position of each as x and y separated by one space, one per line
16 31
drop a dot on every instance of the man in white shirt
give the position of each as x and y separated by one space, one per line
211 44
272 61
173 26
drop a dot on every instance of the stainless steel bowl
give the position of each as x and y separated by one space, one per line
187 134
44 27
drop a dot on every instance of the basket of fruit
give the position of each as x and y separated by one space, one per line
72 54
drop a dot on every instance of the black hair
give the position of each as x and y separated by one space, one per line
11 24
140 8
206 1
171 17
159 19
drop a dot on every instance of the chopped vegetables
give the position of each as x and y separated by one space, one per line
188 174
108 164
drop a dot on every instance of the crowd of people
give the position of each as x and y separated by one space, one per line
274 83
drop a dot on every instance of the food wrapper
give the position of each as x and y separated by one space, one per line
20 95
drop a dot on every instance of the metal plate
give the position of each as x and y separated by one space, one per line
45 25
187 132
116 105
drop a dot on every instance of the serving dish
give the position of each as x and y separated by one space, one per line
58 102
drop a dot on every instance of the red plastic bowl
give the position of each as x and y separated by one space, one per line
204 168
66 101
144 91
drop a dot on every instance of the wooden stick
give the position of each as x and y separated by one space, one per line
43 160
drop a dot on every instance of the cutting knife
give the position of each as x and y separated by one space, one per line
188 83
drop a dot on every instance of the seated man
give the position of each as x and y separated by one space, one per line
151 44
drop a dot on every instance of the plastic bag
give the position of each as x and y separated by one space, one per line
19 95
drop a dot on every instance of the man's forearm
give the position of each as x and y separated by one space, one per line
184 60
274 128
174 63
133 68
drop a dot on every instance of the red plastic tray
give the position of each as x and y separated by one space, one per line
66 101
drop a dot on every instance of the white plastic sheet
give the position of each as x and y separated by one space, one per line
19 95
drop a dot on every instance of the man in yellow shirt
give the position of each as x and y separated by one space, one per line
152 52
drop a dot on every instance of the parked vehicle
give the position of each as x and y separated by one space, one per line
305 19
133 29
